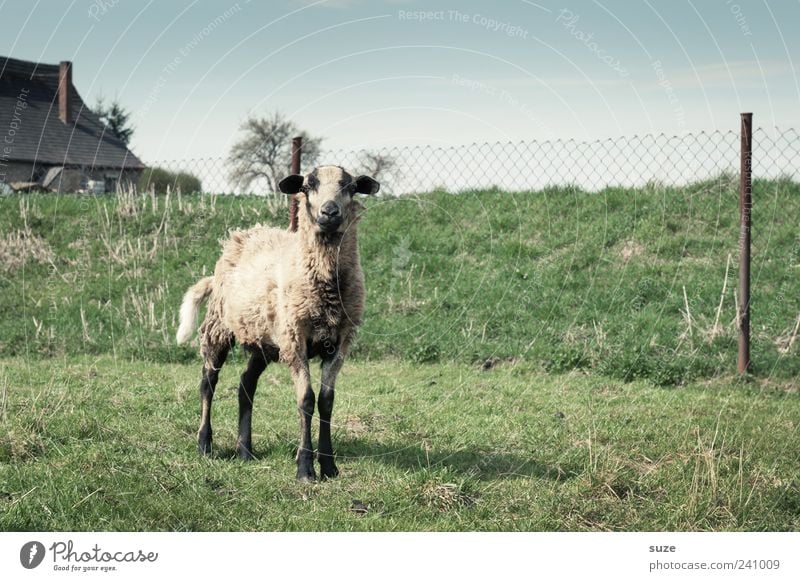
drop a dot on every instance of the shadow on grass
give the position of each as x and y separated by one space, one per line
476 463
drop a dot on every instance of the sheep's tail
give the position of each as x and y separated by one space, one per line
191 301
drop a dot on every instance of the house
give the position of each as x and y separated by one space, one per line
50 140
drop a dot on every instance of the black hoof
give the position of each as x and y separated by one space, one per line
245 451
244 454
306 477
328 468
204 446
305 471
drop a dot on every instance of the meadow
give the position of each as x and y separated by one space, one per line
553 360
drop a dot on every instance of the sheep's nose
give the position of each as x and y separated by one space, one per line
331 209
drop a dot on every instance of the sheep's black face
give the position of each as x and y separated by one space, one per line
326 195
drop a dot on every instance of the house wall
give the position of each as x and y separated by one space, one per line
70 180
75 179
125 178
15 171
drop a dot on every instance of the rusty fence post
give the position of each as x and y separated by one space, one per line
745 217
297 146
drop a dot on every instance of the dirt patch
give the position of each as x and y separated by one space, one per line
445 497
369 422
630 249
493 362
23 246
19 446
354 425
787 339
359 507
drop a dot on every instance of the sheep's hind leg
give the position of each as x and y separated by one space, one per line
247 390
305 407
330 369
213 363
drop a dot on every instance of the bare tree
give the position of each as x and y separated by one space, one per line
264 151
378 165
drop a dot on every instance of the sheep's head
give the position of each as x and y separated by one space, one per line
326 194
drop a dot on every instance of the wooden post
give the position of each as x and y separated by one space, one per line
745 222
297 146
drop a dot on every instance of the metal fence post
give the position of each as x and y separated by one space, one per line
745 211
297 145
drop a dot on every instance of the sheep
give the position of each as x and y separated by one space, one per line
288 297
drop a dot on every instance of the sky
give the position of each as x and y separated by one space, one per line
367 74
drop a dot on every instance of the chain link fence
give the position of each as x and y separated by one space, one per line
591 166
534 165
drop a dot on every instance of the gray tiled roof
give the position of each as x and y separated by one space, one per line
41 137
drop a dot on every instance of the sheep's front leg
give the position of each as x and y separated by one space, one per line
330 369
305 407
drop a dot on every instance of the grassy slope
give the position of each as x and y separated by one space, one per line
560 278
92 444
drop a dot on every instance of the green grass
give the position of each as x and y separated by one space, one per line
552 360
625 283
92 444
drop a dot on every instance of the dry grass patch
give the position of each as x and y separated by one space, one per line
23 246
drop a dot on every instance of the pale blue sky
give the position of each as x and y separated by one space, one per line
367 74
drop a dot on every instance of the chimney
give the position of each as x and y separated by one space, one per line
64 96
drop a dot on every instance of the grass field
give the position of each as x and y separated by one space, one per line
555 360
629 284
93 444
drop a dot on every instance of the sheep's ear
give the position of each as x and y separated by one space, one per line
291 184
367 185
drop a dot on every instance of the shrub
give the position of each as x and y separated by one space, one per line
159 179
425 353
565 358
